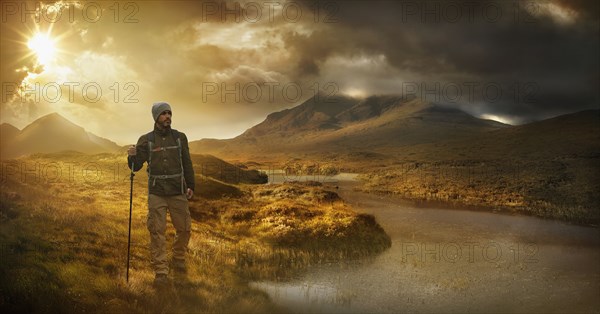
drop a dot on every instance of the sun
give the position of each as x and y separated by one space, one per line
43 47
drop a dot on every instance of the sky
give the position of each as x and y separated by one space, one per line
225 65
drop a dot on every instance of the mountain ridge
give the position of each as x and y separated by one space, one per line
351 124
53 133
346 125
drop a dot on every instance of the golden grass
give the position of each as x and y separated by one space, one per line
563 188
63 240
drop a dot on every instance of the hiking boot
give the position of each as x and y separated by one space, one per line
161 280
179 266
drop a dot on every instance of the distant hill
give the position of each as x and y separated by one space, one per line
571 135
215 168
548 168
7 134
49 134
348 125
309 116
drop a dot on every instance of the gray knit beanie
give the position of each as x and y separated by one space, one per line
158 108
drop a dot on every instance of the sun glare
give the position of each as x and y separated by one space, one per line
43 47
488 116
355 92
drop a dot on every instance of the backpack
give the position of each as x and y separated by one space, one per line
151 141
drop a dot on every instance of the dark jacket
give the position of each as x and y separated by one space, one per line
164 162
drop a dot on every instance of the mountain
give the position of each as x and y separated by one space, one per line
570 135
8 132
52 133
393 121
309 116
347 125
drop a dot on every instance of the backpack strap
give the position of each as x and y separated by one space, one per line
177 138
150 137
181 164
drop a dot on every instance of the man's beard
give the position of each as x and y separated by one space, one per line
164 125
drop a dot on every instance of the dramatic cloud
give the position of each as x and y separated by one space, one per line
224 65
544 54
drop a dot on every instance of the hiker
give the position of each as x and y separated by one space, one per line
170 185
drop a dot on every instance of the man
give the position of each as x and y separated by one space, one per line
170 185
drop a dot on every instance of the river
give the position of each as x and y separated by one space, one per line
450 260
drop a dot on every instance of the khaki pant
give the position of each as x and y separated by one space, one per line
157 225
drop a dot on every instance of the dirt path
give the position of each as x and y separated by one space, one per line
455 261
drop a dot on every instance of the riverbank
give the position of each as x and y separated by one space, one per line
550 189
453 261
562 187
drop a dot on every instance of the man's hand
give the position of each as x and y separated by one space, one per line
131 151
189 193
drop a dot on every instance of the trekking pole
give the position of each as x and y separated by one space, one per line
130 207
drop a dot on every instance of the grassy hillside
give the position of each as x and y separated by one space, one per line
347 125
211 166
549 169
64 239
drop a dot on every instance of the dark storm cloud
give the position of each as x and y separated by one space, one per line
589 10
544 51
552 44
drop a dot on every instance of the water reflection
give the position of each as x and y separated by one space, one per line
309 297
453 261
